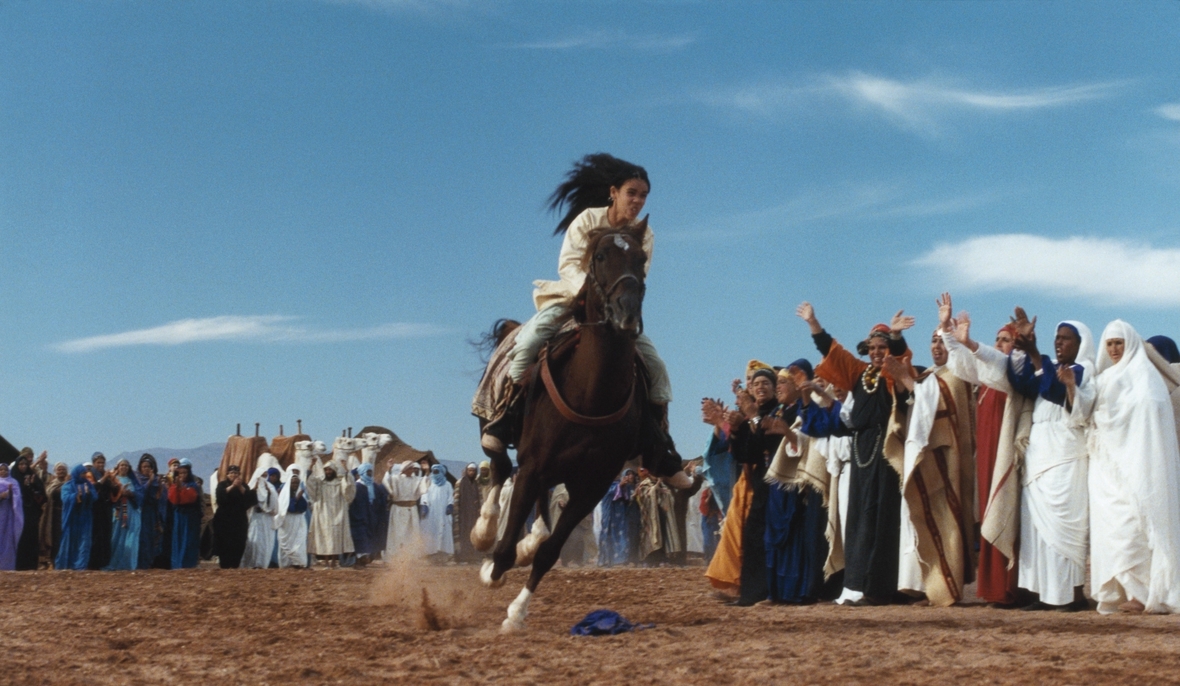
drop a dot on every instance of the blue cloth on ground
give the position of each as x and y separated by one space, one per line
605 623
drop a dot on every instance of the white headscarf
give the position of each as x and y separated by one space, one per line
285 494
1134 426
1085 348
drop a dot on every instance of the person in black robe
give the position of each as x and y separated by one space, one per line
231 523
754 448
32 493
872 538
467 504
104 512
368 516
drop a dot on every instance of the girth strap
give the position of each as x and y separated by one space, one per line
566 411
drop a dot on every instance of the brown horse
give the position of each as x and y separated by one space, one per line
584 413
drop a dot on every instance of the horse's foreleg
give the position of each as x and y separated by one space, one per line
483 535
547 553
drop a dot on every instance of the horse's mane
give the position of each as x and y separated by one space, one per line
636 231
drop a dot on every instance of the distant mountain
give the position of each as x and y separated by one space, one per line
205 458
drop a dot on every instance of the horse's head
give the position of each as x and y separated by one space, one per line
615 268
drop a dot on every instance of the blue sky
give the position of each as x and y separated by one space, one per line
225 212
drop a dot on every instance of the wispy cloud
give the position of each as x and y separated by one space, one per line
262 328
916 104
1106 271
852 204
604 40
1169 111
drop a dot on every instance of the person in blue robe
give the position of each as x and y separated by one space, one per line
1166 347
185 495
152 511
368 516
126 501
796 519
618 542
77 525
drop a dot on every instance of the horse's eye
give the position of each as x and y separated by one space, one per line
600 256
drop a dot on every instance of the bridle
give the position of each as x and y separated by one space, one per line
605 293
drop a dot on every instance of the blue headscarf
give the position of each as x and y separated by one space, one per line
365 474
803 364
1166 347
438 474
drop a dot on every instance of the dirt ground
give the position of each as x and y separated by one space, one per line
345 626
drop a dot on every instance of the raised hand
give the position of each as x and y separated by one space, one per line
944 312
807 313
900 322
896 368
1024 327
962 328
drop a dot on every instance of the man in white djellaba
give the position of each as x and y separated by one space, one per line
260 539
1134 481
406 486
1054 502
437 508
290 522
331 535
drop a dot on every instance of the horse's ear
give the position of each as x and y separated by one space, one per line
642 225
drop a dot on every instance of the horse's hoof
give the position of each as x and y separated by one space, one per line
485 575
512 626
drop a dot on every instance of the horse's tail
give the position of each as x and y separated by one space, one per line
489 340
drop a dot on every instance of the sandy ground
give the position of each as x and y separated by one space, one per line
345 626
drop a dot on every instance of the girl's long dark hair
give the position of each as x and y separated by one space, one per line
588 185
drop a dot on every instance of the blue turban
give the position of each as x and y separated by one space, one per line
803 364
438 474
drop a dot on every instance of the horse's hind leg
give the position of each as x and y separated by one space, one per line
483 535
527 548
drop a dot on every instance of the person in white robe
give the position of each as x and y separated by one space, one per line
1054 502
289 522
436 508
260 537
1134 481
406 487
331 535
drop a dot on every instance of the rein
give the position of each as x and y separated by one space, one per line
566 411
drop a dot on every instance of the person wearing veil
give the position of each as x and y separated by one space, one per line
184 493
152 510
406 486
618 541
289 521
77 527
368 516
1054 501
1134 481
437 508
52 515
32 495
126 521
12 518
260 534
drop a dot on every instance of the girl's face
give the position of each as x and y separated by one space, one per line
3 470
184 473
123 469
628 200
145 468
